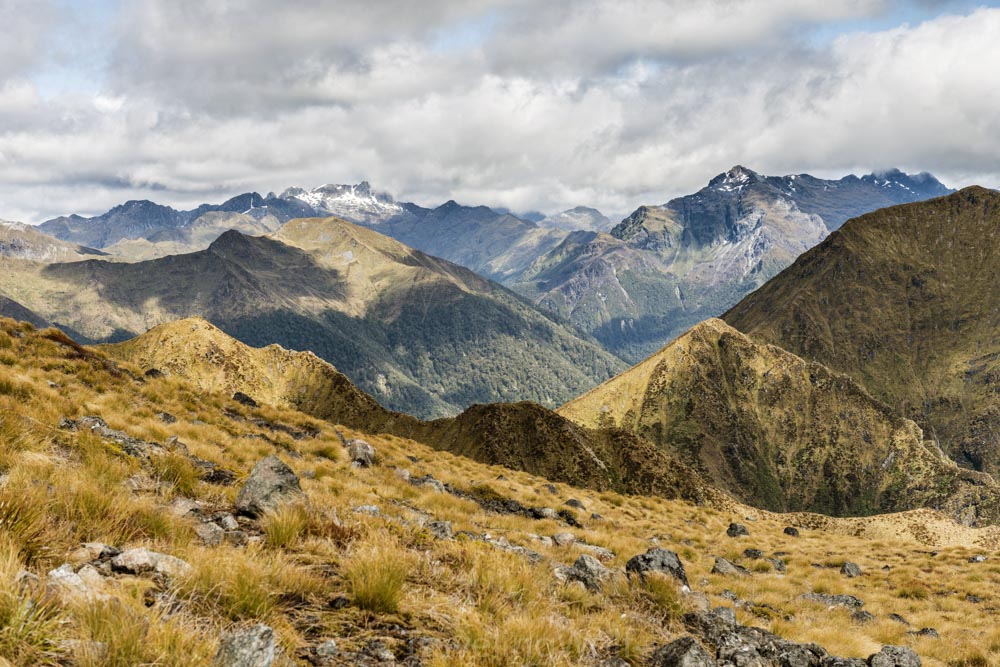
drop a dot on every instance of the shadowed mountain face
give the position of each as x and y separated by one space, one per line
15 311
423 335
905 300
782 433
522 436
665 268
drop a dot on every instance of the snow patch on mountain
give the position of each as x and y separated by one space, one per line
356 203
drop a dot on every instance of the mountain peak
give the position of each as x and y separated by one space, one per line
736 177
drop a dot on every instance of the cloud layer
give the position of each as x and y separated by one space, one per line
607 103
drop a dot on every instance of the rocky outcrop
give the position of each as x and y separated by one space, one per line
270 484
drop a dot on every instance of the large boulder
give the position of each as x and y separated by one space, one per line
143 561
657 560
851 570
683 652
247 647
737 530
728 568
894 656
362 454
589 572
271 484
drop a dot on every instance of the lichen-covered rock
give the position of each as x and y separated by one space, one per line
657 560
850 570
143 561
362 454
894 656
271 483
683 652
247 647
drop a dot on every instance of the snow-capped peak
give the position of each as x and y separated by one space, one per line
358 203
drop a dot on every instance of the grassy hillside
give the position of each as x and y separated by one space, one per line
341 570
421 334
782 433
905 300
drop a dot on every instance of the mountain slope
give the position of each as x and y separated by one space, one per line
423 335
665 268
22 241
522 436
905 300
579 218
780 432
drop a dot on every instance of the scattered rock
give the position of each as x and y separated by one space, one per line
569 518
247 647
431 482
848 601
974 599
729 569
546 513
683 652
210 533
326 651
753 554
588 571
600 553
899 619
87 584
576 504
403 474
894 656
270 484
737 530
594 516
362 454
166 417
850 570
831 661
91 551
227 521
925 632
371 510
863 617
129 445
182 507
657 560
978 558
377 649
777 564
551 488
791 531
442 530
243 399
563 539
142 561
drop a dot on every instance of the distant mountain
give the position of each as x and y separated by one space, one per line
906 301
782 433
580 218
665 268
423 335
359 203
14 310
23 241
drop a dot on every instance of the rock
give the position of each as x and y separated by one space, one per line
848 601
850 570
569 518
563 539
894 656
551 488
863 617
442 530
657 560
142 561
247 647
403 474
182 507
243 399
129 445
166 417
729 569
377 649
925 632
753 554
600 553
576 504
683 652
588 571
371 510
899 619
974 599
91 551
737 530
714 625
85 584
791 531
429 481
237 538
270 484
210 533
978 558
547 513
227 521
327 650
154 373
362 454
777 564
594 516
26 581
831 661
174 444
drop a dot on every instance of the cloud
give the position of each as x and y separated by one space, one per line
600 103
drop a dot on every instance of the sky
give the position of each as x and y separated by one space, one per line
532 106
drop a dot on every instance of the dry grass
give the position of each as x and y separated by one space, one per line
476 604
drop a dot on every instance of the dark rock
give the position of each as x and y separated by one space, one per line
429 481
362 454
247 647
974 599
442 530
792 531
166 417
270 484
753 554
683 652
863 617
831 661
777 564
737 530
589 572
894 656
594 516
729 569
715 625
570 518
243 399
377 649
153 373
129 445
925 632
551 488
657 560
848 601
899 619
340 602
576 504
850 570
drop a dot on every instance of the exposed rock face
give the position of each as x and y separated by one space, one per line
270 484
657 560
248 647
683 652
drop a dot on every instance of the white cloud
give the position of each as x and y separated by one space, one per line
601 103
